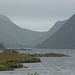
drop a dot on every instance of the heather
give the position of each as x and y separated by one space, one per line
15 60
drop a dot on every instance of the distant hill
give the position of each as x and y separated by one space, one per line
2 46
53 30
64 38
12 35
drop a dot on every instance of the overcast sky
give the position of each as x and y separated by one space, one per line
38 15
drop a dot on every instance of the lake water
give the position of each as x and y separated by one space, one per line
49 65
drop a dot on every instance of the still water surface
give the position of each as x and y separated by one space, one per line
49 65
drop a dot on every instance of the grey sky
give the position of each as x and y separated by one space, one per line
39 15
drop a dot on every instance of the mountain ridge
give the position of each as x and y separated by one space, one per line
64 38
53 30
12 35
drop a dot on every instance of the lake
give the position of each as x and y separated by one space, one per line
49 65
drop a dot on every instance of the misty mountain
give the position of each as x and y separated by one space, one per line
64 38
12 35
53 30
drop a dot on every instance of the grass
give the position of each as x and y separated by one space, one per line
13 57
48 55
9 61
3 68
14 60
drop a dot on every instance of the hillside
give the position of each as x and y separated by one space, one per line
53 30
12 35
64 38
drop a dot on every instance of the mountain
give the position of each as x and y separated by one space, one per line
12 35
64 38
53 30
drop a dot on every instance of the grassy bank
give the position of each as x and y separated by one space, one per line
48 55
8 61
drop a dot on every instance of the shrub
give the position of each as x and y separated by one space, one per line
12 65
15 51
35 60
34 73
4 68
10 51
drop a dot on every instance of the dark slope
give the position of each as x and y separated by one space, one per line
2 46
64 38
13 36
53 30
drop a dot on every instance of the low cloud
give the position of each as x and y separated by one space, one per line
42 13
